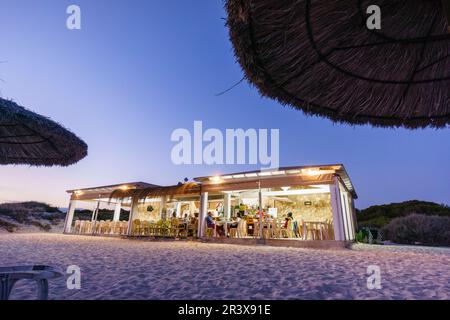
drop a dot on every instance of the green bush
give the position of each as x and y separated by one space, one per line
359 236
380 215
419 229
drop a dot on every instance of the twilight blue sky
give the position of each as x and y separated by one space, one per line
140 69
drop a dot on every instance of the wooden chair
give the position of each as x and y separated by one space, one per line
107 227
84 227
152 228
209 232
145 228
161 229
97 225
104 227
275 230
233 231
192 229
329 229
256 229
116 226
77 227
136 227
311 231
242 228
174 227
89 225
266 230
124 227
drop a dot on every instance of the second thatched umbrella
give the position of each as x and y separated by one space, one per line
321 57
29 138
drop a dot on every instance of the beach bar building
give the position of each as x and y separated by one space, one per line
301 203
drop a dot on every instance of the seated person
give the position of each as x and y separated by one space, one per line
210 220
174 220
235 222
211 224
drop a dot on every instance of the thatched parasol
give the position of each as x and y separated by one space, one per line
320 57
29 138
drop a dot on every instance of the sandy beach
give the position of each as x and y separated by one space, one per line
114 268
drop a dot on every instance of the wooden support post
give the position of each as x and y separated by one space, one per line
134 208
338 224
69 216
117 211
202 214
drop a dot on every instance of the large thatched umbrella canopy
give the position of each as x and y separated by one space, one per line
29 138
319 56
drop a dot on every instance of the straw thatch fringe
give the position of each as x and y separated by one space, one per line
29 138
319 57
190 188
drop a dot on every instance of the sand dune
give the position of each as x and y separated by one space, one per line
133 269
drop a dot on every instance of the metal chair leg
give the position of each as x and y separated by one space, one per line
6 286
42 286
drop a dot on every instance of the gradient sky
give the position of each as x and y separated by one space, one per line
140 69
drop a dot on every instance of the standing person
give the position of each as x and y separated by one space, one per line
288 220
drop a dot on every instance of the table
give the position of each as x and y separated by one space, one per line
41 274
225 225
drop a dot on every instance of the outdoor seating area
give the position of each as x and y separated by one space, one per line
173 228
107 227
314 203
271 229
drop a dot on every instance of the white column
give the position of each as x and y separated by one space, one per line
202 214
69 216
338 225
95 216
117 211
355 221
350 227
260 204
94 212
344 214
227 206
133 208
179 213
